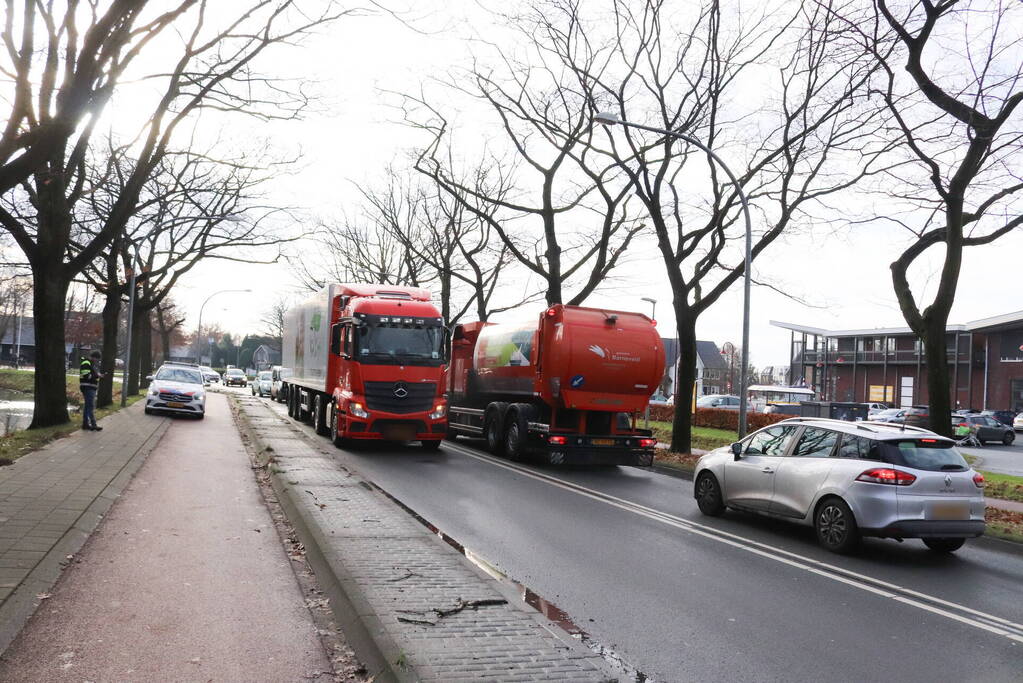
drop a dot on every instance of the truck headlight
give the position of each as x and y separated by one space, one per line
439 411
357 410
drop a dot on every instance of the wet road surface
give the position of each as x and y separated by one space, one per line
627 555
186 579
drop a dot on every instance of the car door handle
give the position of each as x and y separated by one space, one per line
768 470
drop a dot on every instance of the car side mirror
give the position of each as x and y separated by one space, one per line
736 450
149 378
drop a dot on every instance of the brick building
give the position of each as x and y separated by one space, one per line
985 359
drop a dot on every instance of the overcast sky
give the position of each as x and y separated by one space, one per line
842 276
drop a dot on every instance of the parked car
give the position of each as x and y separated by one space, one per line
233 377
891 415
720 401
918 416
659 399
875 408
277 377
986 428
848 480
176 389
1017 424
1006 417
261 384
209 375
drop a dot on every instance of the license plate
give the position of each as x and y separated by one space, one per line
399 433
950 511
175 404
602 442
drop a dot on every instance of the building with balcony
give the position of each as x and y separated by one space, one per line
985 359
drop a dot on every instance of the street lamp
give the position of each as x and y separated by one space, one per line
609 118
198 331
653 306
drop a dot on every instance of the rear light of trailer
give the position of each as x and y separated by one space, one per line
557 440
978 480
887 475
647 443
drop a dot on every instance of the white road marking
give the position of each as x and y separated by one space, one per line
984 621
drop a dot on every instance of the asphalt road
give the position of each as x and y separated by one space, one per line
999 458
679 596
185 580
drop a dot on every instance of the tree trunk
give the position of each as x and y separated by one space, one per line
48 296
938 386
146 348
108 366
136 352
682 426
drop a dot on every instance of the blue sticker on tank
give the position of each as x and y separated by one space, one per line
577 381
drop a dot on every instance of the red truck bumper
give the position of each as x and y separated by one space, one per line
396 428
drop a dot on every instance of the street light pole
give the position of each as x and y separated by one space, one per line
198 331
610 119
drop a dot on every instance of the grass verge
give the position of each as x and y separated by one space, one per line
1004 486
20 443
17 380
684 462
704 438
1004 524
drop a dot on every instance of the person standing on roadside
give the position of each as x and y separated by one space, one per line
89 382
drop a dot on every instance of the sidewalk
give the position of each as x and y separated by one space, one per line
412 607
53 498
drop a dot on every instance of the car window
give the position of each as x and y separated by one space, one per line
857 448
771 441
815 443
933 455
179 375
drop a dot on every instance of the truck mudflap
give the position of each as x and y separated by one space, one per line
597 455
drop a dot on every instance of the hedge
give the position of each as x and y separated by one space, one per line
718 418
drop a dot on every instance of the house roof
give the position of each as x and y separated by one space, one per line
1005 320
710 355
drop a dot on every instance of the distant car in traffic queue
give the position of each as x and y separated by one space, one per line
848 480
233 377
209 375
176 389
261 383
986 428
277 377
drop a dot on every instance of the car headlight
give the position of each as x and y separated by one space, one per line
153 391
357 410
199 396
439 411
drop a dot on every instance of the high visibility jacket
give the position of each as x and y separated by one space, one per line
87 376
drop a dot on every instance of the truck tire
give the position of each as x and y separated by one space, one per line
516 430
290 402
493 427
320 416
335 435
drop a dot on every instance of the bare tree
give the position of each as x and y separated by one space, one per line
67 64
273 321
789 148
543 198
169 324
951 81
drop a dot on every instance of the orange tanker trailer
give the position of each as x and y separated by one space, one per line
567 387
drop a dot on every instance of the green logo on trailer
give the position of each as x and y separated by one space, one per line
315 323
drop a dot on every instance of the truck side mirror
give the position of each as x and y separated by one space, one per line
335 339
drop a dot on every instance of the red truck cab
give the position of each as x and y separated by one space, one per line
375 372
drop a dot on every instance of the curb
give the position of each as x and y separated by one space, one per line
21 604
374 648
364 627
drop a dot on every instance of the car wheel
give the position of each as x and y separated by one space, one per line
431 445
836 527
708 495
1008 438
944 545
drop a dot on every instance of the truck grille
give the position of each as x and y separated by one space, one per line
400 397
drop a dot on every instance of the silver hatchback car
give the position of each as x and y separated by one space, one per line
848 480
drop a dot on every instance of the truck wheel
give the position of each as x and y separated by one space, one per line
319 416
516 432
335 436
493 427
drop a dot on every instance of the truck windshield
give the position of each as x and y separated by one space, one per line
400 344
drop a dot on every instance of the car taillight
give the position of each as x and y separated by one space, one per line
647 443
557 440
978 480
886 475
